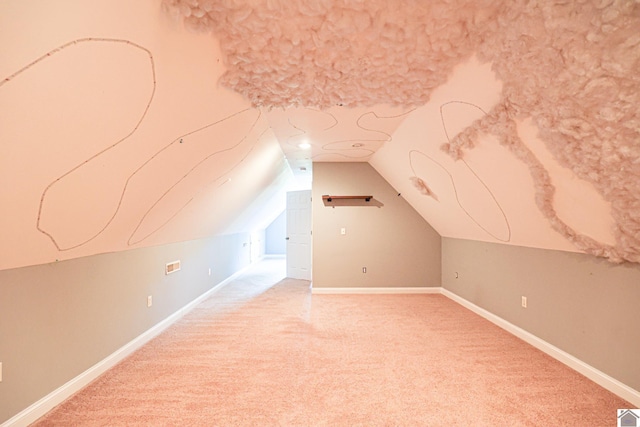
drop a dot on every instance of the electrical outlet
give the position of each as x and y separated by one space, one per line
149 301
524 302
343 231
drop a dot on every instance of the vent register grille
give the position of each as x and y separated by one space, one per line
172 267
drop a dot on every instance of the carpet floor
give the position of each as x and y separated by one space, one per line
263 351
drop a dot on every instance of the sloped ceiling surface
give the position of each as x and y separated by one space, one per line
513 122
115 134
567 73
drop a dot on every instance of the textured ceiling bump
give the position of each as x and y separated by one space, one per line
326 53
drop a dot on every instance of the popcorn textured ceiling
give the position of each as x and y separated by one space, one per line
570 67
505 121
327 53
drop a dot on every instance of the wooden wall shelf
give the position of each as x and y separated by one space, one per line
328 198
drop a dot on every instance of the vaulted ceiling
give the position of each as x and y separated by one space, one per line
129 124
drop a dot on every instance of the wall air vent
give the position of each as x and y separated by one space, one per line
172 267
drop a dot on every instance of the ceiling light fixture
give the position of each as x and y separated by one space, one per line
357 145
304 145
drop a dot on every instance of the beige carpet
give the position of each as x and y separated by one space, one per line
255 355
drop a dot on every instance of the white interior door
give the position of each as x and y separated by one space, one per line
299 234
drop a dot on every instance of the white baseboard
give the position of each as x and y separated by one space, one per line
59 395
600 378
412 290
622 390
44 405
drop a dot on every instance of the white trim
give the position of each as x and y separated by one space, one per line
412 290
620 389
50 401
59 395
600 378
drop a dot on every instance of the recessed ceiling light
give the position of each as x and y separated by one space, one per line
304 145
357 145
